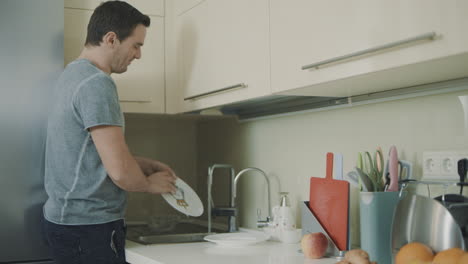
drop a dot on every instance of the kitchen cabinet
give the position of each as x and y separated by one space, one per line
304 32
182 6
142 88
222 53
147 7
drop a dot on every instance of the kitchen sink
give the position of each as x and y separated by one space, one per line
175 232
172 238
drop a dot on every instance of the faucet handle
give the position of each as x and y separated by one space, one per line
259 213
262 223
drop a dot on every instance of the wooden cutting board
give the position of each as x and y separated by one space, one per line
329 203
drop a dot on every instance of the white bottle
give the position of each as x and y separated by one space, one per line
286 219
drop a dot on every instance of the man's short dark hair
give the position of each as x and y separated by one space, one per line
116 16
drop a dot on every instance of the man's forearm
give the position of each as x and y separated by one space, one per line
130 177
122 168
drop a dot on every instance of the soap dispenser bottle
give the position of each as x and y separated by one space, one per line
286 219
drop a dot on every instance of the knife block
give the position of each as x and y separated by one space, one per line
310 224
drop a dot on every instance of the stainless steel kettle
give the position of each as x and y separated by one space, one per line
458 207
425 220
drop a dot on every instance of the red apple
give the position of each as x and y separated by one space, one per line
314 245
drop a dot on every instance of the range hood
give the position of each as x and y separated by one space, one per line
275 104
285 104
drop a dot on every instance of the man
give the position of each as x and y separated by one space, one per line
88 164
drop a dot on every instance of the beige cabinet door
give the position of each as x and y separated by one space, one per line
141 89
148 7
182 6
222 50
305 32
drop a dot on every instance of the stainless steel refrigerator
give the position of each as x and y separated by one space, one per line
31 57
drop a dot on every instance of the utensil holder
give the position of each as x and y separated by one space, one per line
376 217
310 224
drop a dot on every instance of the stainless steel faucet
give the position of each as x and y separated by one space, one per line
231 211
260 223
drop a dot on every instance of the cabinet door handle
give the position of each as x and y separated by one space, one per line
426 36
149 100
239 85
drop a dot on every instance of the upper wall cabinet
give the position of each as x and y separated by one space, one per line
142 88
147 7
182 6
222 53
343 48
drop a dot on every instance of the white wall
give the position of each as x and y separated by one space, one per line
291 149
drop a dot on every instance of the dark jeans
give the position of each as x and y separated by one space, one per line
87 244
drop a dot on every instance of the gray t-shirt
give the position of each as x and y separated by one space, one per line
79 189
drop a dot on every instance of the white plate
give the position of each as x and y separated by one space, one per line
185 200
237 239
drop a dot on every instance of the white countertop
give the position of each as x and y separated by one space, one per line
268 252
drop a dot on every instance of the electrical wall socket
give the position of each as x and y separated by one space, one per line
442 165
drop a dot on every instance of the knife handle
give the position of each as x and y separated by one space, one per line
393 170
329 174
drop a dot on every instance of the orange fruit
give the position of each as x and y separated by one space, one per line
463 259
420 262
448 256
413 253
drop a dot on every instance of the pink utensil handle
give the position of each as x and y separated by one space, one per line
393 170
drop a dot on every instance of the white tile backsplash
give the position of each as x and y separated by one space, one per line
291 149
